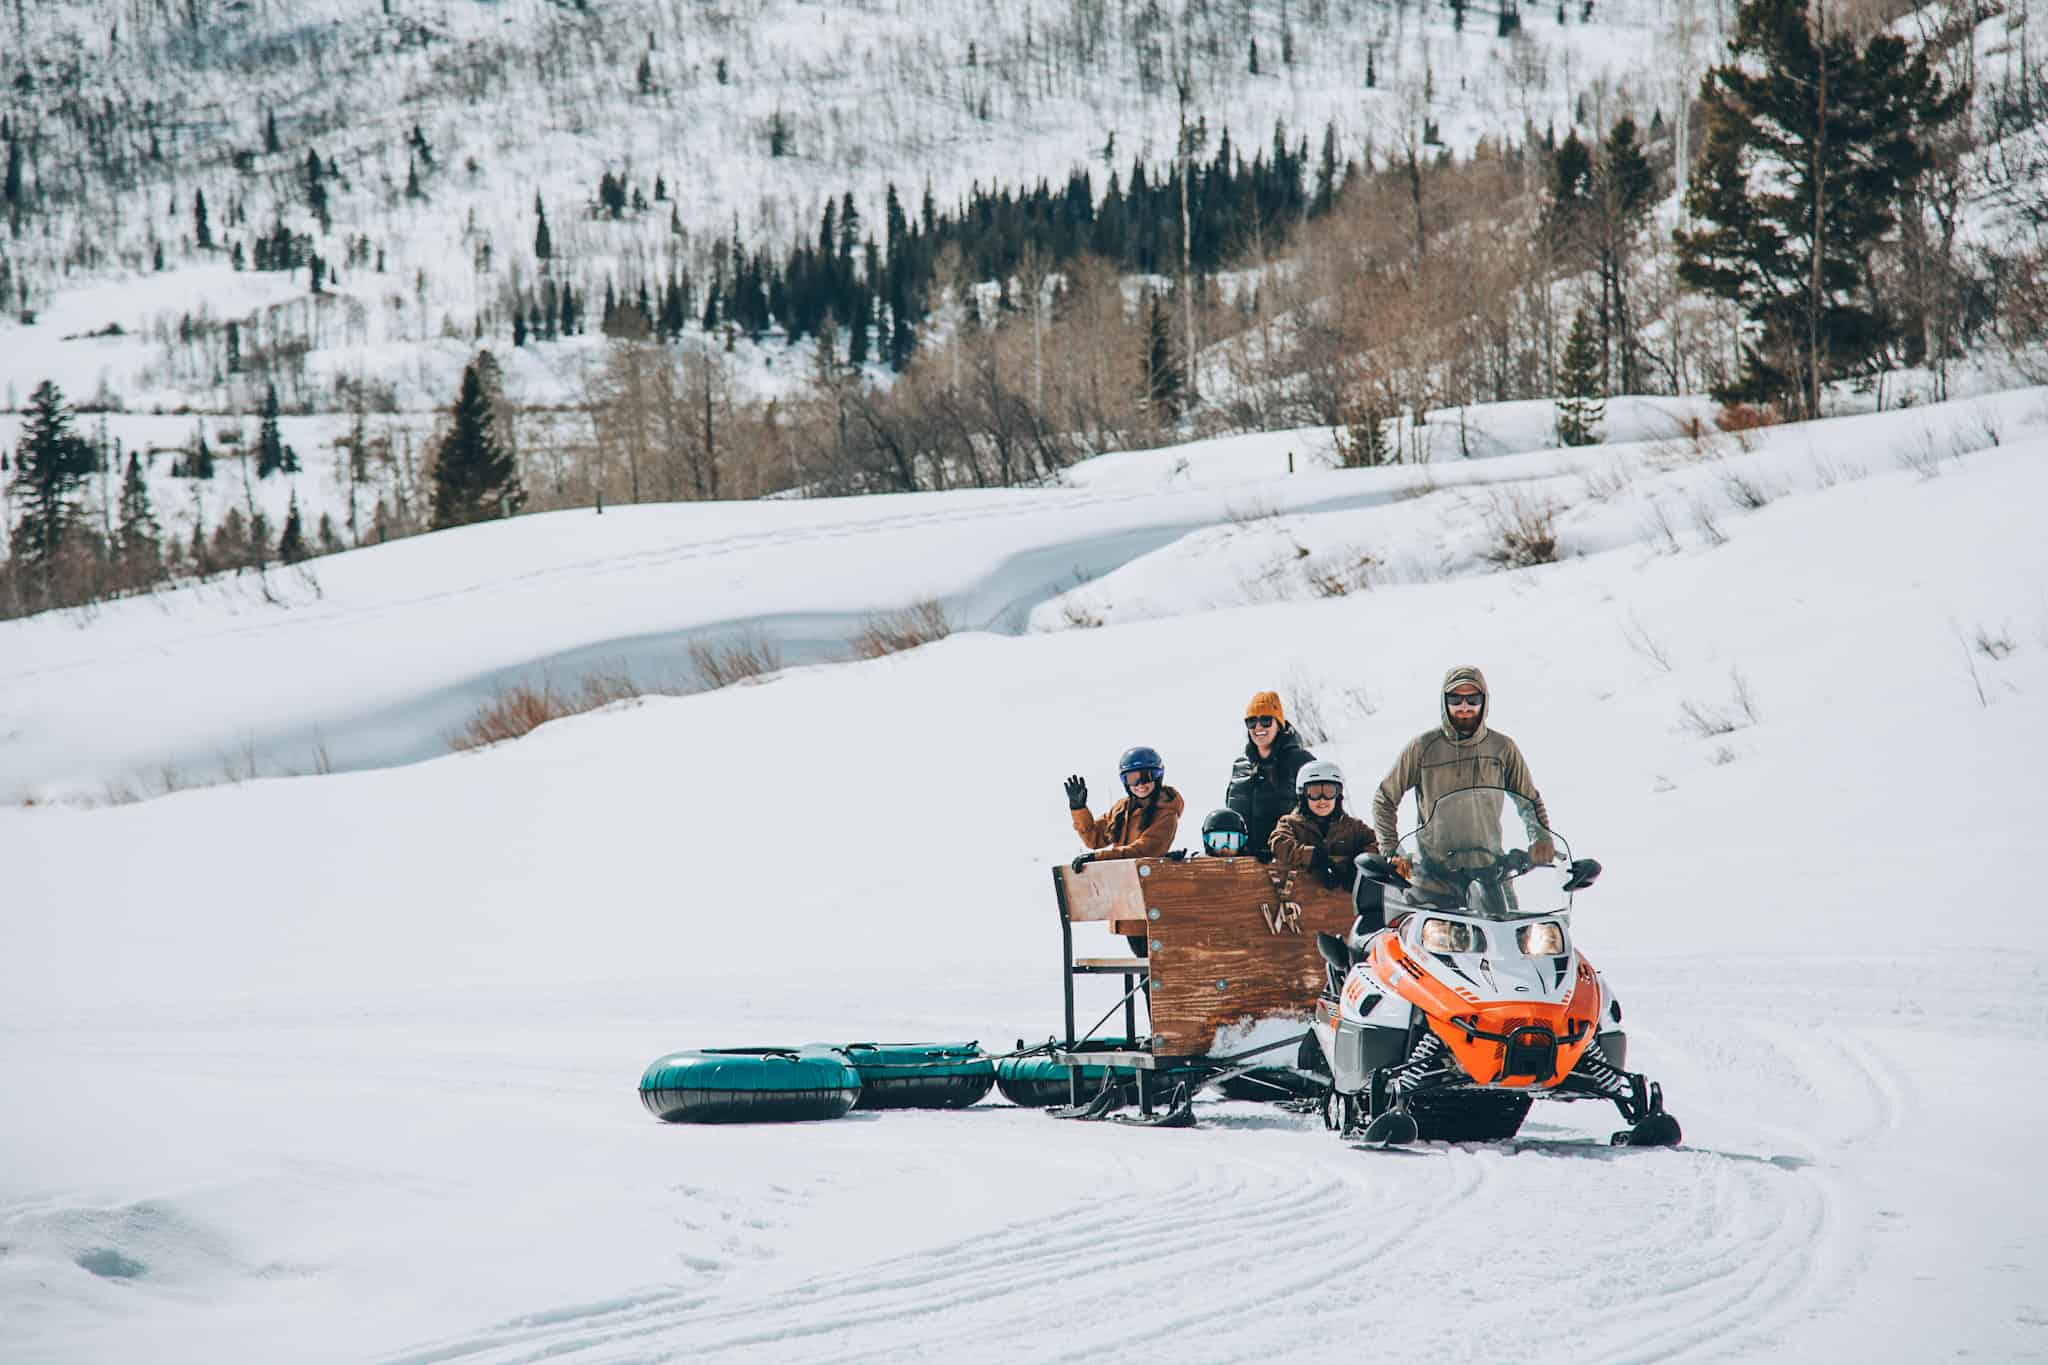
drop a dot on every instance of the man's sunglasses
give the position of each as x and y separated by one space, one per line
1258 722
1223 840
1465 698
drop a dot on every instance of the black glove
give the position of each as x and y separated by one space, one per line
1082 860
1339 876
1179 855
1077 793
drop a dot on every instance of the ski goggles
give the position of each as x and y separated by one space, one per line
1224 841
1322 791
1138 777
1464 699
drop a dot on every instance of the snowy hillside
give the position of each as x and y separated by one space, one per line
341 1067
521 102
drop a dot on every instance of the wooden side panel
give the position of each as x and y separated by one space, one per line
1104 891
1232 944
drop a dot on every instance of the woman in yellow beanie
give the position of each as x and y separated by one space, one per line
1262 778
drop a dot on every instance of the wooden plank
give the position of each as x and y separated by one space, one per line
1105 891
1110 964
1236 945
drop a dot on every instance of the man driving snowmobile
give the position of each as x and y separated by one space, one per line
1461 752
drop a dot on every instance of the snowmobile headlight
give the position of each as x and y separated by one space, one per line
1542 940
1451 936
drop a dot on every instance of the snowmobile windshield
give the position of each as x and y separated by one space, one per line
1472 854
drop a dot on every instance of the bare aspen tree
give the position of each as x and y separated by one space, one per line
1033 278
1685 33
1188 138
624 397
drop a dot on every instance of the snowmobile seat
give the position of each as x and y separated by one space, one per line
1369 903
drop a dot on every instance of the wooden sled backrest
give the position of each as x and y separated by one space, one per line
1103 892
1232 942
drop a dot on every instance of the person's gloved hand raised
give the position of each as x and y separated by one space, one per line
1082 860
1077 793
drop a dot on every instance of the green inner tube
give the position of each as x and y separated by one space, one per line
748 1085
918 1075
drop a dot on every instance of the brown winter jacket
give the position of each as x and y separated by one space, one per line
1131 830
1443 761
1298 835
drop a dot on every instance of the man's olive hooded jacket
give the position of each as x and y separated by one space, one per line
1442 761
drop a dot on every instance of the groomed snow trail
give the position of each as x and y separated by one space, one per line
1259 1235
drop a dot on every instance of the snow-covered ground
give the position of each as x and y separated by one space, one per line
341 1067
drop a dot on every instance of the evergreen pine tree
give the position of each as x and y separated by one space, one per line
1326 172
291 546
202 231
10 188
475 478
857 334
269 445
234 342
543 242
1811 146
1579 406
199 464
270 142
138 544
1163 381
50 465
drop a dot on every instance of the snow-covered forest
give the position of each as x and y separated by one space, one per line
733 250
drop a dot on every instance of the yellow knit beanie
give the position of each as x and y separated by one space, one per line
1266 704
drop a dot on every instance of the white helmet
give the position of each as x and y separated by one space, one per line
1321 770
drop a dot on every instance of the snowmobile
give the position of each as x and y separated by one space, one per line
1461 996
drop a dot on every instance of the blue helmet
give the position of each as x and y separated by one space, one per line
1145 759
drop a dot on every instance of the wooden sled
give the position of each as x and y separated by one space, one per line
1230 946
